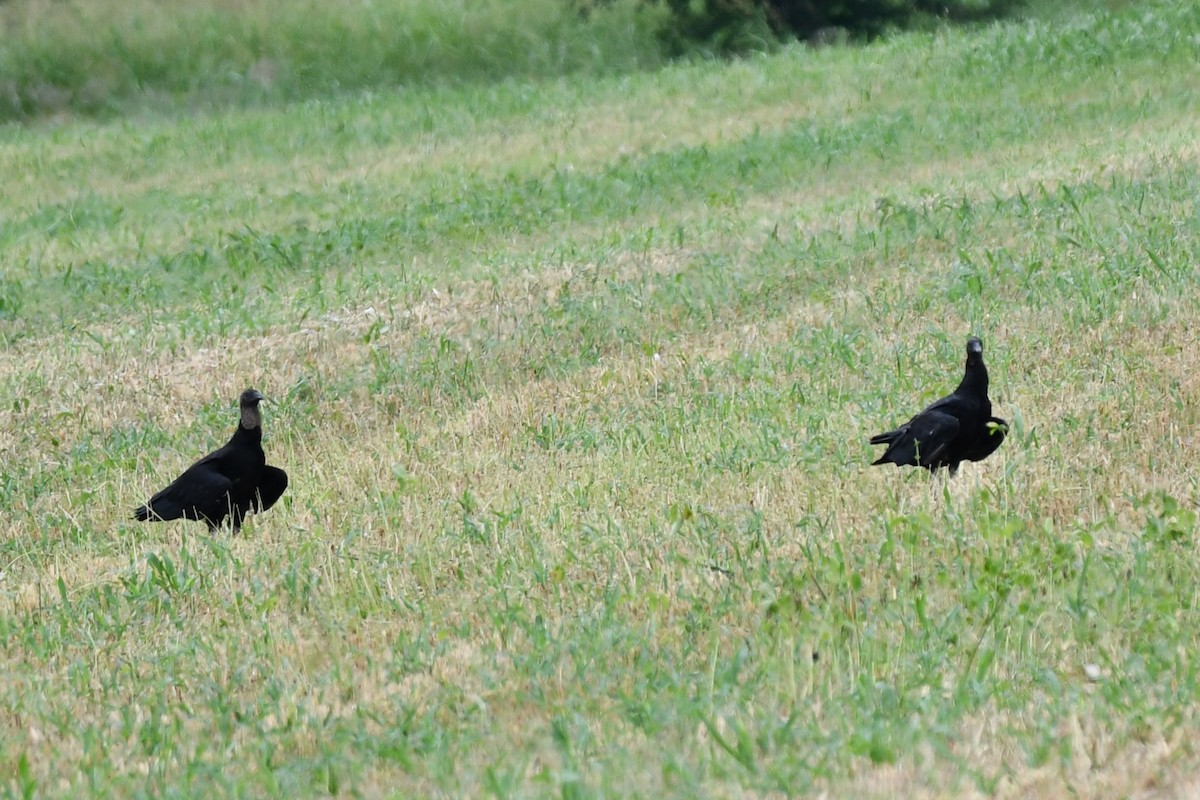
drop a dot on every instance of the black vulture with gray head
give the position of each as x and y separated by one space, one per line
959 427
227 484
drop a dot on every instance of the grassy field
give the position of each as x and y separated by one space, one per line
573 380
111 57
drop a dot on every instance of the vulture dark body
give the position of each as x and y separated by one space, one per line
959 427
227 484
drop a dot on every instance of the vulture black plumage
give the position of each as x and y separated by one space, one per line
959 427
226 484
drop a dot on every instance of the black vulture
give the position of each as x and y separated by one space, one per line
226 484
959 427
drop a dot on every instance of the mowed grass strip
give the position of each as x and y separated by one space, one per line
396 178
580 502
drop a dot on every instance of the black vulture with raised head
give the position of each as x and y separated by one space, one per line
226 484
959 427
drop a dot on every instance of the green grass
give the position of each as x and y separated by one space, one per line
573 379
66 56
